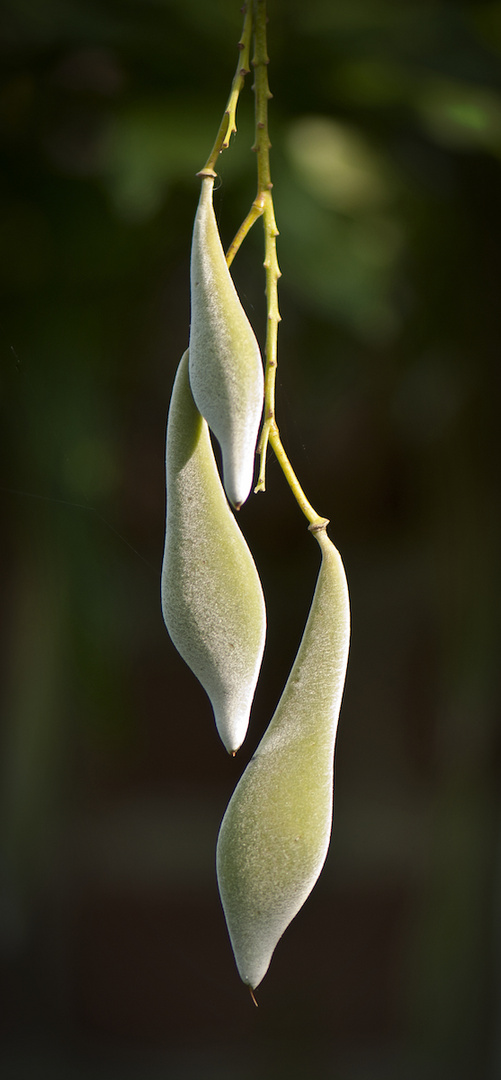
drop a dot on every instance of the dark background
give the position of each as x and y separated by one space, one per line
386 131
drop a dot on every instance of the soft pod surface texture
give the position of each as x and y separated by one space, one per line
212 600
275 833
226 371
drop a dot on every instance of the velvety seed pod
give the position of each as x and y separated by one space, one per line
276 830
226 371
212 600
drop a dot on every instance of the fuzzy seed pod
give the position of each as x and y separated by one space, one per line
226 371
275 833
212 600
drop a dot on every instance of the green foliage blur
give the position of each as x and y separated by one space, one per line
386 162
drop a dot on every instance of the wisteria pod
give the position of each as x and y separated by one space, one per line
226 371
212 600
276 830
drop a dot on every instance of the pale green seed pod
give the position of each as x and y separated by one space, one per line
276 830
212 600
226 371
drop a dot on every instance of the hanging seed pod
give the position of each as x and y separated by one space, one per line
226 371
275 833
212 600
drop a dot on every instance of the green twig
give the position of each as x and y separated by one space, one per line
316 522
254 213
264 200
228 124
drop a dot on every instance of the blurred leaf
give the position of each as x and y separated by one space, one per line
460 116
340 238
373 82
337 165
152 144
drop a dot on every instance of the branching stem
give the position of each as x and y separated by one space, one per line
263 205
255 21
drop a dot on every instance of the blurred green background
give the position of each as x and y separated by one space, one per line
386 131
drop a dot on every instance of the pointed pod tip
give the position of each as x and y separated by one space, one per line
236 492
253 996
229 745
238 470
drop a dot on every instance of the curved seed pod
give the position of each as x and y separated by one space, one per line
275 833
226 371
212 600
